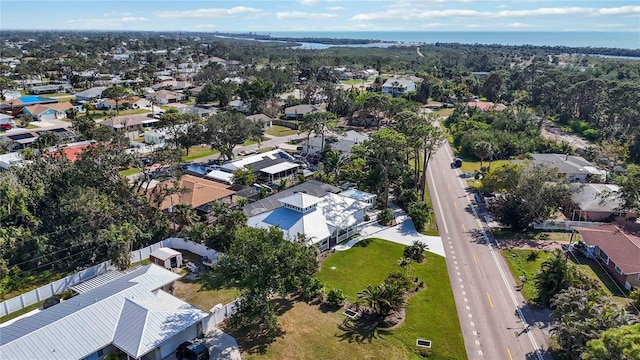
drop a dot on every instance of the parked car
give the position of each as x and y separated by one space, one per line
6 126
457 163
192 351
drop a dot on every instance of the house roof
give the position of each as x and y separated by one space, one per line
252 160
621 247
339 210
164 253
36 109
63 106
345 142
398 83
278 168
300 200
80 326
486 105
596 197
311 223
118 122
73 152
195 110
260 117
358 195
311 187
94 92
303 109
199 192
165 94
566 164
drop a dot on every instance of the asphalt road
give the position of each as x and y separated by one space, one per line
495 321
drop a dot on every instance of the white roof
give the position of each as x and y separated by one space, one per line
164 253
147 323
301 200
358 195
234 165
339 211
312 224
278 168
220 176
84 324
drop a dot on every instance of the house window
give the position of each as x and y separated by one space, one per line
619 271
604 257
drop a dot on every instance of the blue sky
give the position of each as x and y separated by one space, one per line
323 15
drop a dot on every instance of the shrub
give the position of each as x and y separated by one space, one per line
312 290
385 217
419 213
416 251
400 279
635 297
335 298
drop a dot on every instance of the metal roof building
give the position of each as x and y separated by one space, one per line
131 313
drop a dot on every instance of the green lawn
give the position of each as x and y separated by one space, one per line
198 152
128 172
528 262
356 82
25 310
100 114
525 262
559 236
368 262
277 130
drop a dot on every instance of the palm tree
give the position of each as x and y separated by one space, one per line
371 296
483 150
391 298
553 276
404 263
184 215
333 162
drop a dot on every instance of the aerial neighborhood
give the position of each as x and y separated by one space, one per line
225 196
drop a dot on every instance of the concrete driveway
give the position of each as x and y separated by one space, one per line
221 346
404 233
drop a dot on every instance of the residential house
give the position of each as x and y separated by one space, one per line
240 106
130 123
164 97
50 89
11 159
203 112
311 187
129 311
11 94
15 106
91 94
616 249
485 105
362 196
297 112
269 166
20 139
173 85
263 119
323 220
574 168
341 142
199 191
6 119
597 202
110 104
54 111
369 73
398 86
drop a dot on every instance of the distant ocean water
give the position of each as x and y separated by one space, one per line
622 40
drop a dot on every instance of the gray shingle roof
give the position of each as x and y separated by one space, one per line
312 187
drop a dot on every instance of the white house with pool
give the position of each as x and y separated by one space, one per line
326 220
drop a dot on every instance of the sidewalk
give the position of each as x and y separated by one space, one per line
403 233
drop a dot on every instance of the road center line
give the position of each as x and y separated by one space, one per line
490 302
509 352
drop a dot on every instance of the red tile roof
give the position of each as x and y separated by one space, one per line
621 247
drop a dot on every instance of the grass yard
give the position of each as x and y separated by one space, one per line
277 130
525 262
528 262
198 152
357 82
313 332
100 114
195 293
128 172
471 166
445 113
23 311
559 236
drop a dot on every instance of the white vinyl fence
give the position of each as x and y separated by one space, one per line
40 294
220 314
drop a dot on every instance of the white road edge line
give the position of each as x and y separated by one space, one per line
435 193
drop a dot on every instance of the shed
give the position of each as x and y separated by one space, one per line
166 257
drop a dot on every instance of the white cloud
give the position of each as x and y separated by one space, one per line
117 13
519 25
211 13
309 2
105 22
288 15
337 8
410 13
